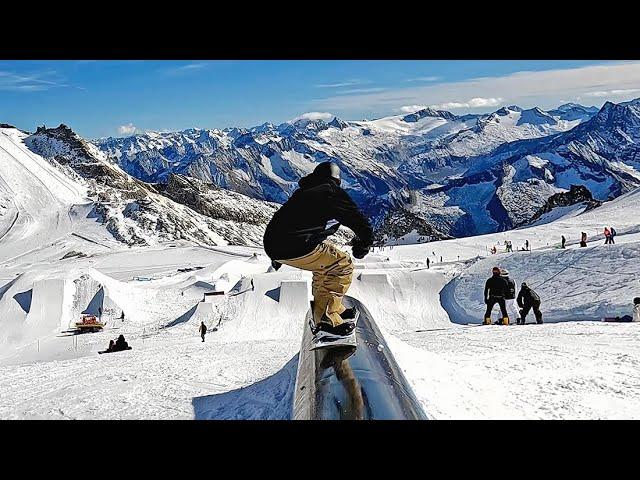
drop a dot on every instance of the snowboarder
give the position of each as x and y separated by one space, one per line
583 239
121 344
564 240
296 236
527 300
494 292
122 316
428 262
607 236
202 330
510 296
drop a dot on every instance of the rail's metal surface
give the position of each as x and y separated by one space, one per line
348 383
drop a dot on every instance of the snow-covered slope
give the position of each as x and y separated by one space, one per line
135 213
36 198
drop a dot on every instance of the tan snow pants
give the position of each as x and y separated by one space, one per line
332 270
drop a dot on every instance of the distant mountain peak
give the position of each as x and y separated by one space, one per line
338 123
428 112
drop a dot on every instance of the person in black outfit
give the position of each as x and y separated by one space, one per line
495 290
527 300
564 240
203 330
428 262
121 344
296 236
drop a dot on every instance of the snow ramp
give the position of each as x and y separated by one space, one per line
349 383
51 307
402 300
271 309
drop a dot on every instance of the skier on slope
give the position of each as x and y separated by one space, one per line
607 236
636 309
495 290
528 299
296 236
510 296
612 238
564 241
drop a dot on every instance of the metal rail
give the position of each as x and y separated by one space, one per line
348 383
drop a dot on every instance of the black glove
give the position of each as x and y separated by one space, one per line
276 266
359 250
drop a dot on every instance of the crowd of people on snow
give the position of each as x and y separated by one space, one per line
609 239
500 289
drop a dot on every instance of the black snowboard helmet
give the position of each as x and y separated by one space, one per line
328 170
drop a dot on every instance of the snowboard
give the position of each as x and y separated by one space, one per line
114 351
324 340
623 319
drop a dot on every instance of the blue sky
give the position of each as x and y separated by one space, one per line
111 98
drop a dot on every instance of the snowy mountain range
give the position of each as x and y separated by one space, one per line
462 175
134 212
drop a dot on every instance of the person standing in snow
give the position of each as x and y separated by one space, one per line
607 236
297 236
526 245
636 309
510 296
612 236
583 239
495 290
428 262
202 330
564 240
527 300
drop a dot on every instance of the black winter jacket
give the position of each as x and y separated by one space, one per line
301 223
496 286
527 297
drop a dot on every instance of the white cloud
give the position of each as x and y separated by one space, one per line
412 108
361 90
477 102
612 93
183 69
34 82
544 89
128 129
346 83
313 116
424 79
